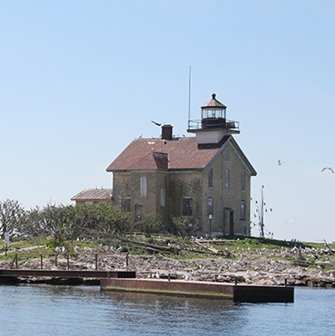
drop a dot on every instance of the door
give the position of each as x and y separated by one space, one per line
228 221
231 223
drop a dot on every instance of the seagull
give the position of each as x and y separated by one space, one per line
156 123
327 168
280 162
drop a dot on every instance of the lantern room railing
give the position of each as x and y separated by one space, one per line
211 123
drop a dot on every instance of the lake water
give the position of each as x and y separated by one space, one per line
59 310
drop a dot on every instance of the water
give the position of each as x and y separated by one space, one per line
51 310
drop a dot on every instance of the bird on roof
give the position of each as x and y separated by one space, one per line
327 168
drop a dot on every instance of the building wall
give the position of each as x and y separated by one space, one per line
186 184
231 197
127 191
195 185
91 202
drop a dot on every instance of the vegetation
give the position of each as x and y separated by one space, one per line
92 226
67 223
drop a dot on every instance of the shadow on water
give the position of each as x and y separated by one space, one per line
147 300
172 314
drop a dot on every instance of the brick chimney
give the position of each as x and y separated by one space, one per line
167 132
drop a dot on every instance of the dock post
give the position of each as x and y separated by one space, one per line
127 262
41 260
68 261
96 261
56 259
16 261
235 280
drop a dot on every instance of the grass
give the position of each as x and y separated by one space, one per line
42 245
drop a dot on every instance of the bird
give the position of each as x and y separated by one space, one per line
156 123
280 162
327 168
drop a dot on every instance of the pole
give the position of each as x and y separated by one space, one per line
189 96
262 212
210 227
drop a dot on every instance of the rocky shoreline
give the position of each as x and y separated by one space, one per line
291 266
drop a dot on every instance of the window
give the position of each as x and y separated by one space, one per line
143 186
226 179
243 180
162 198
210 178
210 206
187 206
243 211
127 204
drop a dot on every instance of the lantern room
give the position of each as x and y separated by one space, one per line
214 124
213 114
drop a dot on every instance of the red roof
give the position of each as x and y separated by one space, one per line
179 153
214 103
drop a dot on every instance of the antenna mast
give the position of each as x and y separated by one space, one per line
189 96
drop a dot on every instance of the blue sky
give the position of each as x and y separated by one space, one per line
81 79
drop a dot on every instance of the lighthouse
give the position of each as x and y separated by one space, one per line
214 124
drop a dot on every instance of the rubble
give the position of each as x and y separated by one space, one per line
291 266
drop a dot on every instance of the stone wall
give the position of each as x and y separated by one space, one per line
194 184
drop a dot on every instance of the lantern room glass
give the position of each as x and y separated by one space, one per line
211 113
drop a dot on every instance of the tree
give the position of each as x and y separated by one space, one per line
11 216
51 221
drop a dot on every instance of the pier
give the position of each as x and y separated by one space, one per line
126 281
202 289
58 276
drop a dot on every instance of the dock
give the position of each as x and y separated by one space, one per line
126 281
202 289
9 276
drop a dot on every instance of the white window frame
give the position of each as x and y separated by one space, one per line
143 186
243 210
163 196
226 179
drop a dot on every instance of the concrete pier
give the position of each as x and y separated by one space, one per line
236 293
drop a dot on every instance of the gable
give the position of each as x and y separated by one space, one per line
242 156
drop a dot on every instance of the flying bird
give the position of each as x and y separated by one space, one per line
327 168
156 123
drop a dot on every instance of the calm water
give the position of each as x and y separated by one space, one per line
49 310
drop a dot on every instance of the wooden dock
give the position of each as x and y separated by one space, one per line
73 276
126 281
201 289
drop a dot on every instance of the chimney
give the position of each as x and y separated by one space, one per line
167 132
